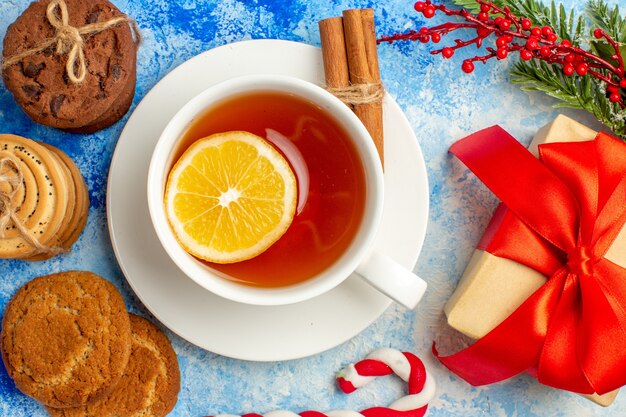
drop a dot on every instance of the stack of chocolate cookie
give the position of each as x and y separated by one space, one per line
91 91
43 199
68 342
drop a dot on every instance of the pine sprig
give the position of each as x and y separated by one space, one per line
608 19
612 23
580 92
471 5
540 76
572 92
565 24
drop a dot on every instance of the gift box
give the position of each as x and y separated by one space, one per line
493 287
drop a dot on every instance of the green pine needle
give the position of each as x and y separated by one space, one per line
573 92
607 19
577 92
470 5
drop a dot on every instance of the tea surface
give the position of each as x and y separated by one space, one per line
331 183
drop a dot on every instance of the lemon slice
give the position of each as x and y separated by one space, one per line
229 197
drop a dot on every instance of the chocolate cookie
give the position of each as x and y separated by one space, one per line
114 113
66 338
150 383
40 82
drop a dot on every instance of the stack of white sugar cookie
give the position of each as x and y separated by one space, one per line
44 202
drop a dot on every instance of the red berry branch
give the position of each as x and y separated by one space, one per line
517 34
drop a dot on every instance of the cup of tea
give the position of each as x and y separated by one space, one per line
340 193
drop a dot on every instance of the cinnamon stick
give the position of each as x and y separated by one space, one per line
334 52
369 34
351 67
360 38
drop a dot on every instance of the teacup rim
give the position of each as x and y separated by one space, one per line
190 266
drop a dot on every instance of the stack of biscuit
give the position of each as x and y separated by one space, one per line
44 201
35 63
68 342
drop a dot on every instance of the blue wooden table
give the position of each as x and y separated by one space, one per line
442 105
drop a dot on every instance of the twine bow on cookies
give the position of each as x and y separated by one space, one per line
11 175
13 178
69 40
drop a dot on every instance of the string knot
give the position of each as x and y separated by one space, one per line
69 40
11 182
68 37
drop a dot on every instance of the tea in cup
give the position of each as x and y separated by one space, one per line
339 193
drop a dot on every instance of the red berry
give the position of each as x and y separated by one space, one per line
551 37
467 67
568 69
535 32
615 97
424 38
532 43
545 51
566 43
485 7
508 38
546 31
501 41
570 58
526 24
435 37
598 33
429 11
447 52
622 83
484 16
498 20
501 53
612 89
581 69
424 30
419 6
525 54
505 24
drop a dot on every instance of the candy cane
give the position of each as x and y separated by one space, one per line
421 387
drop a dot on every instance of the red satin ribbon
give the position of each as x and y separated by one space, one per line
565 210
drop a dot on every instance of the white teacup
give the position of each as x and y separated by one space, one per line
379 270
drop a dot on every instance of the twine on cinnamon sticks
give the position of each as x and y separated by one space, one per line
69 40
351 67
14 179
359 94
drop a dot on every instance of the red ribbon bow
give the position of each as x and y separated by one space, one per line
570 205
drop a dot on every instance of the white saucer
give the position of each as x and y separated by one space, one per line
225 327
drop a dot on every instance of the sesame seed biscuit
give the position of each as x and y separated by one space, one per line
81 212
43 203
55 240
77 219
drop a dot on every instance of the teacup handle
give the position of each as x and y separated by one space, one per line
392 279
